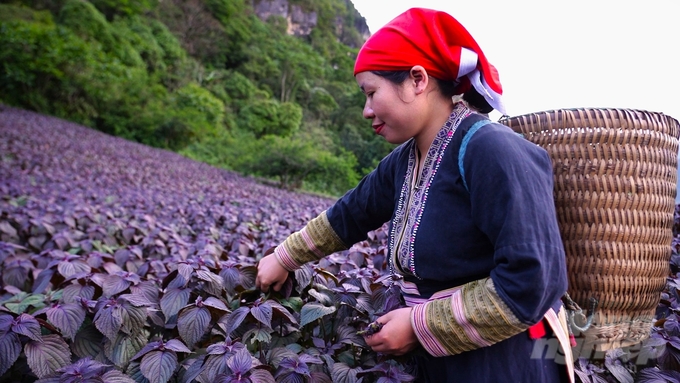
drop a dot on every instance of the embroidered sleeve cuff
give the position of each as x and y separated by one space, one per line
473 316
313 242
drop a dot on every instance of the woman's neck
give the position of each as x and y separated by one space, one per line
439 115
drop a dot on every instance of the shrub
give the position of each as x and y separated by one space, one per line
269 117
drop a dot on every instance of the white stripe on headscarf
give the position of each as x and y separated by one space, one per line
494 99
468 62
468 67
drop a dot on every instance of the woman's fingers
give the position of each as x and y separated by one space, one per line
396 335
270 274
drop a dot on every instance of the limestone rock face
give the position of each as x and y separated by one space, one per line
302 22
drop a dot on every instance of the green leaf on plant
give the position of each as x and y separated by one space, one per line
313 311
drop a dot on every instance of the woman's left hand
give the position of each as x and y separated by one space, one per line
396 336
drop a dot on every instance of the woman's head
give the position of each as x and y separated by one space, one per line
437 42
404 104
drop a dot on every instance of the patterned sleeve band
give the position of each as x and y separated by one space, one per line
313 242
473 316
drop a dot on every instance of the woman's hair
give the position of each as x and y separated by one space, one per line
446 88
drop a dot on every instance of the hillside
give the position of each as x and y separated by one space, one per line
262 88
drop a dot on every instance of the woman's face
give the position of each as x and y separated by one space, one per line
389 106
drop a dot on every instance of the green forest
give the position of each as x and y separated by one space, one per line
208 79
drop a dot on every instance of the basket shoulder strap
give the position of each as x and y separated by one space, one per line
463 147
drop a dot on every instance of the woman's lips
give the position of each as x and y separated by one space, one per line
378 128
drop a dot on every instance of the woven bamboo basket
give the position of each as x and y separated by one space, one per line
614 187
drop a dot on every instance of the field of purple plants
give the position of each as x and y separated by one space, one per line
123 263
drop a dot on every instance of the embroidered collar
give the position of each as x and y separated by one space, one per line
414 193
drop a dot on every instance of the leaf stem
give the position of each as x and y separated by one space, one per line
48 326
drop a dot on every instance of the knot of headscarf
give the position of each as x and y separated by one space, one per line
438 42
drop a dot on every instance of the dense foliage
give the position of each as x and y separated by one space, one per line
206 78
123 263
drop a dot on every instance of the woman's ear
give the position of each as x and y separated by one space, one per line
420 78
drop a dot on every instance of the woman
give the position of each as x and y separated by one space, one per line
472 220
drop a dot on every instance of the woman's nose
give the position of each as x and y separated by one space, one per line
368 111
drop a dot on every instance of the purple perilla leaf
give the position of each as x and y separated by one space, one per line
177 346
27 325
121 349
231 321
262 311
173 300
155 345
88 342
148 289
231 277
260 375
136 300
134 313
291 377
98 259
85 368
115 284
654 375
227 347
185 270
192 323
115 376
10 348
304 277
15 272
159 366
388 372
213 282
614 361
72 265
47 355
213 303
670 359
672 326
73 292
309 359
342 373
67 317
191 368
134 371
292 364
279 310
319 377
215 365
6 322
109 318
42 280
241 362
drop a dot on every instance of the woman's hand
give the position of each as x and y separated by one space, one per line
270 273
396 336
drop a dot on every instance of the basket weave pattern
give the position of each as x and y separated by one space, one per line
614 187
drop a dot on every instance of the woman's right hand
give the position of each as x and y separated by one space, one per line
270 273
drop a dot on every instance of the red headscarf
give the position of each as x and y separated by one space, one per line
439 43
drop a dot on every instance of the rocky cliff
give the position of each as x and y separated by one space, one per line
301 22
